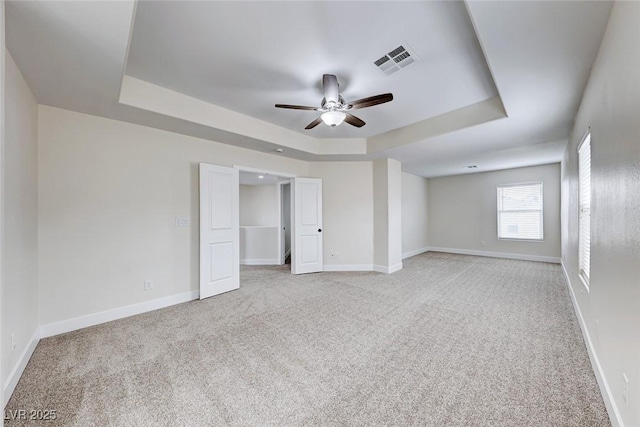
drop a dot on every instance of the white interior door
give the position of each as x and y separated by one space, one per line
219 230
306 254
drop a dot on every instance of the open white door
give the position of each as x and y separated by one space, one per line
219 230
306 254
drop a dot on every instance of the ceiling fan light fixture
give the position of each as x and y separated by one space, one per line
333 118
334 110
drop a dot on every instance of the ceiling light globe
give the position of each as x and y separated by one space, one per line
333 118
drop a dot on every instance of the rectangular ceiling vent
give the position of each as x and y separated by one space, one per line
395 60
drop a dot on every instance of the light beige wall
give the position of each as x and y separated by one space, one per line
259 245
463 211
415 213
109 194
20 239
395 213
2 138
347 191
259 205
387 207
380 213
611 107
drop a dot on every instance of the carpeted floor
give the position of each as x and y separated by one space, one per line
450 340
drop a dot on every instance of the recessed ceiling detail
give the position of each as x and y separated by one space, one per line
446 112
178 45
395 60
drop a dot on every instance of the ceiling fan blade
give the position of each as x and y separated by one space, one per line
314 123
330 88
297 107
371 101
354 121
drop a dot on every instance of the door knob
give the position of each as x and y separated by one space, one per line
319 230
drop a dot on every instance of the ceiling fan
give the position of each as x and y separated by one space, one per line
333 107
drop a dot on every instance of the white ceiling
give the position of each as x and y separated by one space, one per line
247 56
253 178
228 54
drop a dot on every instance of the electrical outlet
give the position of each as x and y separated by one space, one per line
148 285
625 388
483 243
13 341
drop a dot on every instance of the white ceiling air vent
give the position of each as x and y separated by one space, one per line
395 60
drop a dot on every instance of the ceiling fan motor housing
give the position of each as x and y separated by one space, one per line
331 88
333 107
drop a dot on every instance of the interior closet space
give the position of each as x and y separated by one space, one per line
286 203
264 230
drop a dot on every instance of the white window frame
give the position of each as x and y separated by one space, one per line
541 210
584 212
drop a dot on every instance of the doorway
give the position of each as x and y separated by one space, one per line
285 221
220 244
265 218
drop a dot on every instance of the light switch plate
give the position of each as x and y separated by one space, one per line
183 221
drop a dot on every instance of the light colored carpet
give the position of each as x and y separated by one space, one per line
450 340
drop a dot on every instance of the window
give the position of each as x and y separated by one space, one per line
520 211
584 197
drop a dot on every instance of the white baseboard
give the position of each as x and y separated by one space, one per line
348 267
522 257
260 261
18 369
612 409
76 323
387 270
415 252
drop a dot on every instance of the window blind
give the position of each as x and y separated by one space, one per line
520 212
584 196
